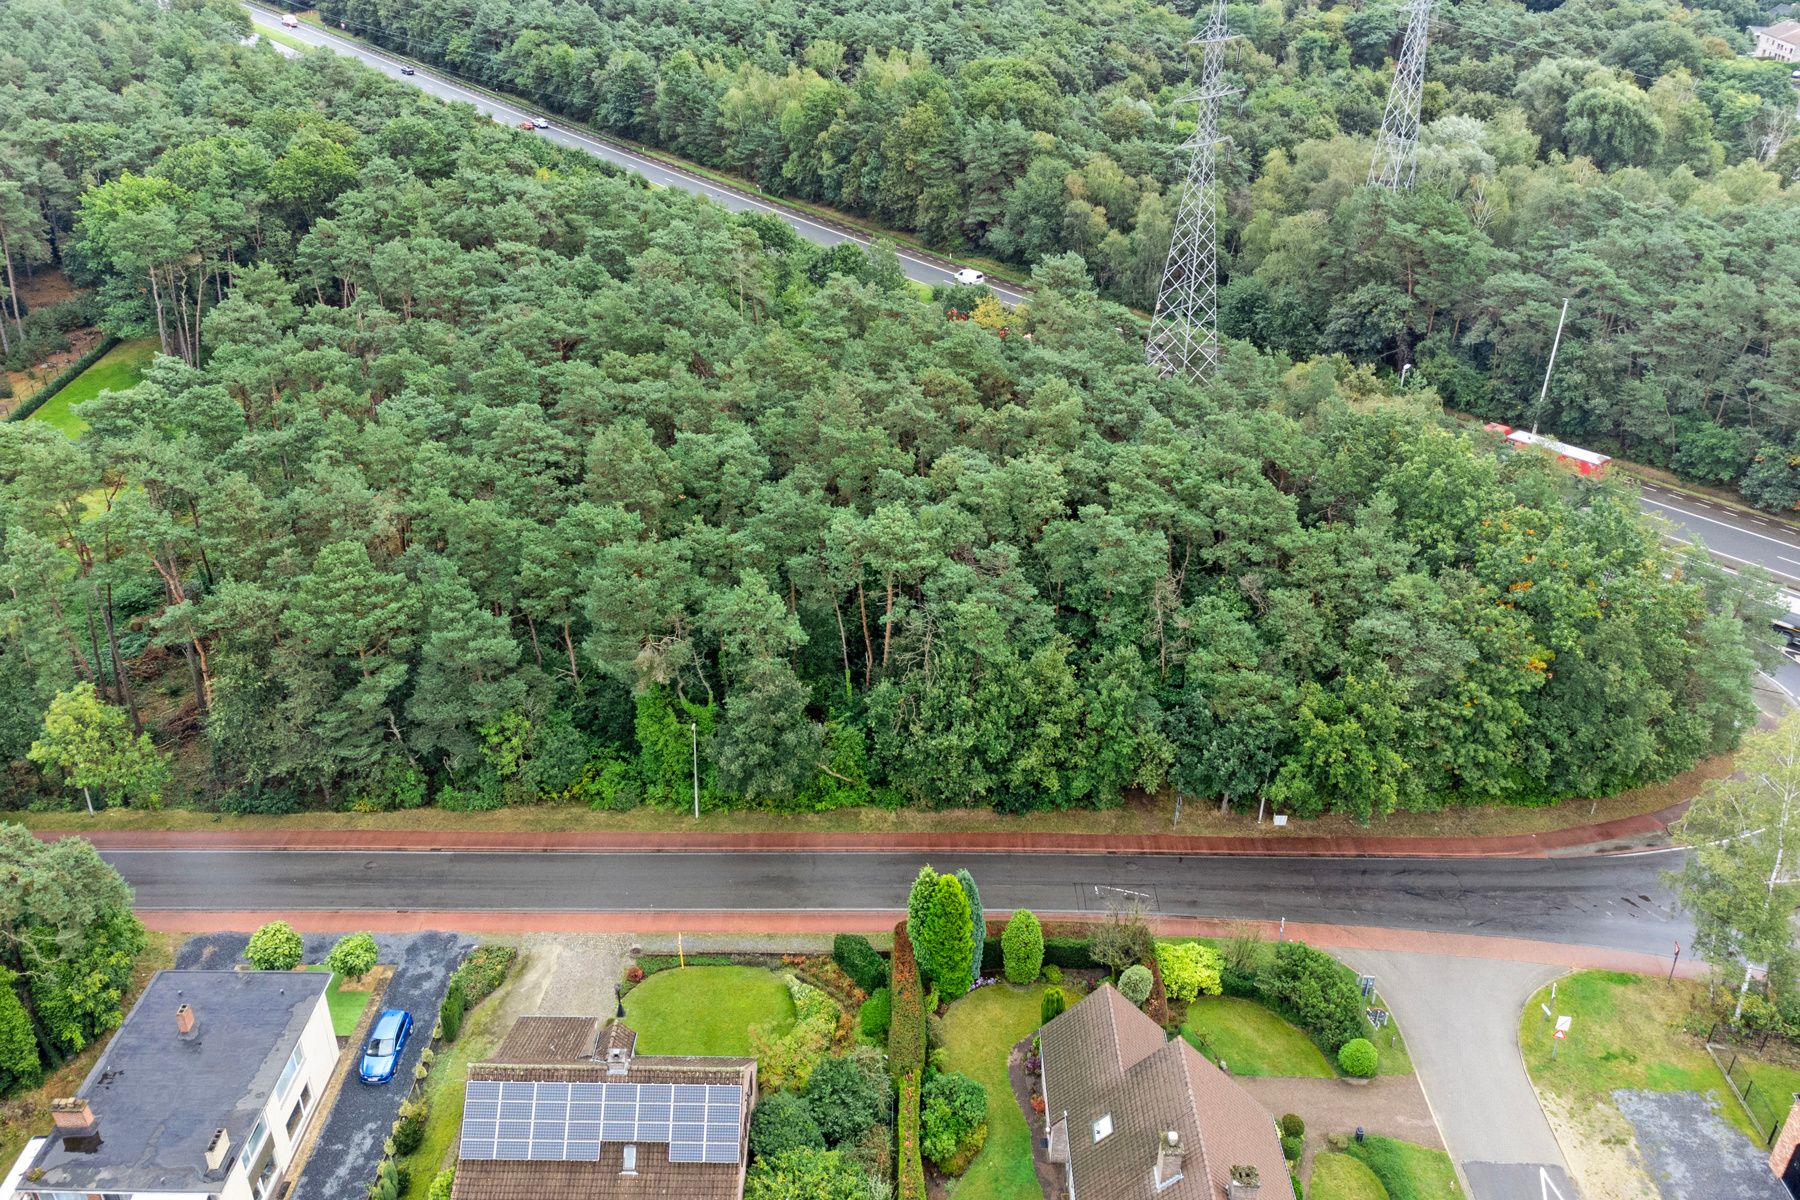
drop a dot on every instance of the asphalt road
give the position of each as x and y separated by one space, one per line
1730 534
918 268
1613 902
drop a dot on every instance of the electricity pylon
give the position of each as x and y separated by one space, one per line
1184 331
1396 158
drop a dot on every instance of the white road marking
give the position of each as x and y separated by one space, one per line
1725 524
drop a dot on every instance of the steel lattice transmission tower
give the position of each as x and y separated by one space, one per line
1184 332
1396 158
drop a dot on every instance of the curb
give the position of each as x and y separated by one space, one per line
1620 835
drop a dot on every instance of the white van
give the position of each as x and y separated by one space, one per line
290 21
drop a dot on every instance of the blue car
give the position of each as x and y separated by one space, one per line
386 1042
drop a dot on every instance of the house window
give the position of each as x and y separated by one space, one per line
299 1113
295 1061
1103 1127
630 1164
259 1133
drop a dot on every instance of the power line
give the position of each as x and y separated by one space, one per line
1184 330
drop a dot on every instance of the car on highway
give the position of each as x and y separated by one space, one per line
408 71
970 276
539 123
387 1041
526 125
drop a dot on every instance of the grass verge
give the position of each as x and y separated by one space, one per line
118 369
1406 1170
1251 1039
346 1004
706 1010
979 1032
1340 1177
28 1113
1628 1033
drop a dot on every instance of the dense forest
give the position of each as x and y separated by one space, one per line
1623 153
476 473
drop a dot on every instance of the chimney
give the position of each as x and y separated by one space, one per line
217 1149
1246 1183
184 1020
621 1042
72 1116
1168 1158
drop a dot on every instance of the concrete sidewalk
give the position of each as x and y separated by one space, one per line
1625 832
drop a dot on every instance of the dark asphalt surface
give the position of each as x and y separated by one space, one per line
917 268
1615 902
348 1151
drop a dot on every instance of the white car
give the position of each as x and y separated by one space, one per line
970 277
539 123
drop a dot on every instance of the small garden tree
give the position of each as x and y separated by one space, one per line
1054 1004
1317 990
845 1100
954 1109
90 742
1116 941
875 1014
782 1122
354 956
1135 983
451 1010
977 917
859 960
1022 947
806 1175
946 951
274 947
918 903
1189 969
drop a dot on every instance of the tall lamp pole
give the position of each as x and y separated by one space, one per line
1544 392
694 729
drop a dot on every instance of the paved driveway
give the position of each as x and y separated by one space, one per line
1693 1153
1461 1021
348 1149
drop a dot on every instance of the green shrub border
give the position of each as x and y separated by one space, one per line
67 376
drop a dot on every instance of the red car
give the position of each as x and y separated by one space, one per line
526 125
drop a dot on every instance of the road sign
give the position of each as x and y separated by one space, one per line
1562 1025
1547 1013
1561 1034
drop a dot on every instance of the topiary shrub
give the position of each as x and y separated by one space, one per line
1022 947
875 1014
1052 973
945 945
1358 1058
1292 1147
1135 983
450 1012
1292 1125
782 1122
1054 1004
274 947
353 956
906 1027
1189 969
859 960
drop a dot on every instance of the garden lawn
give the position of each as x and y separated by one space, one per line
706 1010
1627 1034
1340 1177
118 369
1251 1039
1406 1170
346 1006
979 1032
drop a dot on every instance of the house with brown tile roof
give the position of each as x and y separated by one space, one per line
566 1110
1132 1115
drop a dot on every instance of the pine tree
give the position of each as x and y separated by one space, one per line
918 903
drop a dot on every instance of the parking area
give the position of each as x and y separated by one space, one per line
1692 1152
348 1148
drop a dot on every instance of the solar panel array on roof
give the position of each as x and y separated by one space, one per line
557 1122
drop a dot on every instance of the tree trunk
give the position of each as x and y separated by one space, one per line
200 543
843 644
162 327
536 650
11 283
112 642
89 797
569 644
862 602
1737 1014
94 641
887 624
193 663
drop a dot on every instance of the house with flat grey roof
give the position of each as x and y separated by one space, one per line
204 1092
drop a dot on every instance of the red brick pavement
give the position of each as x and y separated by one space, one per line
1455 945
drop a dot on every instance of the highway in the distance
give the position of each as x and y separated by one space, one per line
924 270
1617 902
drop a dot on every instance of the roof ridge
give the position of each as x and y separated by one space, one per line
1194 1107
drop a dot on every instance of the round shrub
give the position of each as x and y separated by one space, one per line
845 1100
1291 1148
1135 984
1292 1125
274 947
1358 1058
1053 1004
952 1108
1022 947
876 1012
1052 973
353 956
783 1122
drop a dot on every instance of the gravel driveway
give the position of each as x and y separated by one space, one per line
1694 1154
348 1149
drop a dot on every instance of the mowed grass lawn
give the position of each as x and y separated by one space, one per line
706 1010
1406 1168
1340 1177
1627 1034
118 369
1251 1039
979 1032
346 1005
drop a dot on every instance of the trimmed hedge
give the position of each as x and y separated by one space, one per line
1068 953
450 1012
1022 947
906 1021
877 1013
1316 992
63 379
484 970
859 960
912 1165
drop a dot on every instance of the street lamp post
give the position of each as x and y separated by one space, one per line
694 729
1404 368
